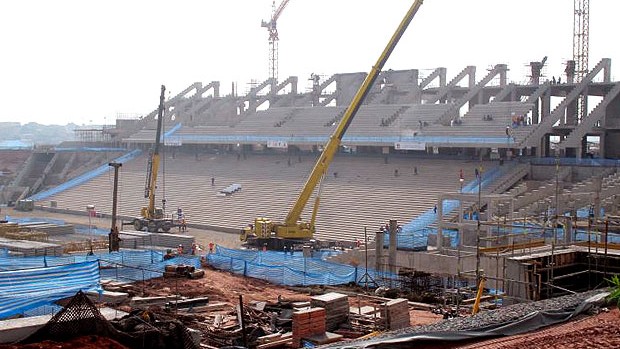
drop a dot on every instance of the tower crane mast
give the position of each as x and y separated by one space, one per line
581 45
272 30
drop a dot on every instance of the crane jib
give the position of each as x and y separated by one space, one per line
330 149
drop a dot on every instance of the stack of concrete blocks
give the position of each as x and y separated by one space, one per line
31 248
141 239
49 228
396 313
307 323
336 307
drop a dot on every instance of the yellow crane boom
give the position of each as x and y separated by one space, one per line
293 227
152 217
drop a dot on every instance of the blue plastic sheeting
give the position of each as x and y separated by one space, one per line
388 140
285 269
582 235
4 252
84 229
576 162
126 258
172 131
15 144
48 309
89 149
23 290
365 139
414 235
83 178
19 263
23 220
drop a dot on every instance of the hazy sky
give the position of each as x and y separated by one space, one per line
86 61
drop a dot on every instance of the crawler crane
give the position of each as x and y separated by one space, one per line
294 230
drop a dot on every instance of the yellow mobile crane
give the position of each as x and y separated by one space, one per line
294 229
153 217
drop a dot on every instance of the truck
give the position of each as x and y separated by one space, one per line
264 232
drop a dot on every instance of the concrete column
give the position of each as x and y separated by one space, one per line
439 242
568 230
545 101
442 77
472 77
379 237
598 183
393 241
502 74
601 149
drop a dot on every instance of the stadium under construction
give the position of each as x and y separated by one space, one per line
460 177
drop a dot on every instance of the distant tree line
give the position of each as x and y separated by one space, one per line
37 133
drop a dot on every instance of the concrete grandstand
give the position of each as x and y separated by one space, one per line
417 143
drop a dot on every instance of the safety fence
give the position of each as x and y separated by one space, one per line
123 266
107 259
30 285
284 268
28 289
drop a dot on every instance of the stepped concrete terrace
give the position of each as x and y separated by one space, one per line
365 191
475 125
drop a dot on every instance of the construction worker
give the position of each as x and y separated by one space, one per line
211 246
180 249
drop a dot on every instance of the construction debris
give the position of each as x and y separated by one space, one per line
188 271
336 307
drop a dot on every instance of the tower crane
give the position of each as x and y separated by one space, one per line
294 229
273 39
581 45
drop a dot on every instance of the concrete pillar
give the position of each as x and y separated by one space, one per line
503 68
545 104
216 89
379 237
568 230
472 77
439 226
442 77
598 183
393 241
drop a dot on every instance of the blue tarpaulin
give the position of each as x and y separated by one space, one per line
27 289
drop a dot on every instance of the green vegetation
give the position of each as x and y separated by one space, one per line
615 292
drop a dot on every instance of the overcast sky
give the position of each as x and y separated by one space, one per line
87 61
